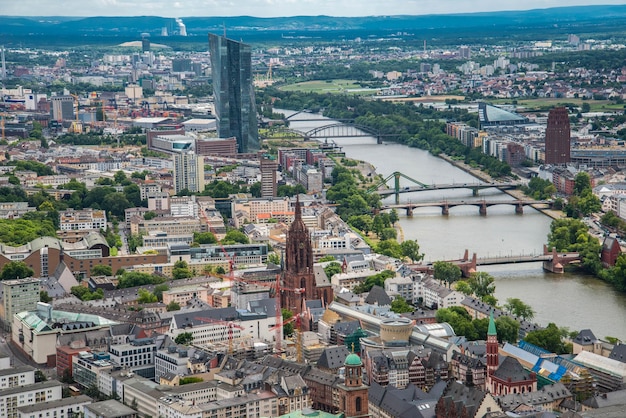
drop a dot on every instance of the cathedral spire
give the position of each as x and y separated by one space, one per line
298 210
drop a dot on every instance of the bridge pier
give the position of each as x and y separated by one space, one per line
379 139
483 209
553 267
445 210
409 211
519 209
474 191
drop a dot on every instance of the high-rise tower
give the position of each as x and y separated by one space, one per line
558 137
235 107
188 171
269 165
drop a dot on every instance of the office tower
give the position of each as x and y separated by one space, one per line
235 108
180 65
269 165
188 172
558 137
145 42
62 108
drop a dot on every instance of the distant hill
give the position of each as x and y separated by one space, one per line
577 19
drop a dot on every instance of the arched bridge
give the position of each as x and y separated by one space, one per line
381 187
481 204
343 130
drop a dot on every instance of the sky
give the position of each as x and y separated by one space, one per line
272 8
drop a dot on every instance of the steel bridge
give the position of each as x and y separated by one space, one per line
422 187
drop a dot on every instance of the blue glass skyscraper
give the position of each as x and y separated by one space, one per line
233 91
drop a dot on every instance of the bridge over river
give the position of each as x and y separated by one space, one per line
481 204
553 261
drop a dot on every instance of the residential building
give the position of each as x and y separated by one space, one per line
269 166
188 171
18 296
16 376
235 105
138 352
62 408
83 219
20 396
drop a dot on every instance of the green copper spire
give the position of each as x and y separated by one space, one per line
492 325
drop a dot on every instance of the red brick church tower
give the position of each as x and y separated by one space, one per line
298 272
492 347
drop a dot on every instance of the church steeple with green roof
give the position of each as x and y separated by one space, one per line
492 325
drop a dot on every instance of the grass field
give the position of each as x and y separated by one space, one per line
329 86
547 103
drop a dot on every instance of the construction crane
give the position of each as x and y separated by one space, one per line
229 326
298 332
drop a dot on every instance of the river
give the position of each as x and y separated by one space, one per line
570 300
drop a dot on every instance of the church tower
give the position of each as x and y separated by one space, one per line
353 394
492 347
298 273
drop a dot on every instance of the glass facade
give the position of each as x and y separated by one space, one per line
235 107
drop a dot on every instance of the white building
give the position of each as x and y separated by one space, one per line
83 219
37 393
188 171
62 408
12 377
435 295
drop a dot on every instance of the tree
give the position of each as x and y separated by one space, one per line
482 284
204 238
393 216
149 215
387 234
184 338
518 308
44 297
332 269
400 305
287 328
235 236
508 329
158 291
411 250
16 270
446 272
390 248
173 306
101 270
464 287
145 296
273 258
181 270
327 258
40 376
548 338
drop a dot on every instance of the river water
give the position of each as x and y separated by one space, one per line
570 300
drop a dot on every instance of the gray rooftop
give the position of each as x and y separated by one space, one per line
72 400
110 409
